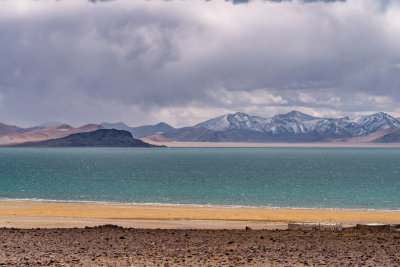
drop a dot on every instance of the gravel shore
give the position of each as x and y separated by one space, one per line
116 246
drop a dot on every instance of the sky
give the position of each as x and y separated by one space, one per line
183 62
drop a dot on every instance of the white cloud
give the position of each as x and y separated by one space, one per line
121 60
244 98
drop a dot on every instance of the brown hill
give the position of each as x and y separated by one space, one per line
6 129
40 134
156 138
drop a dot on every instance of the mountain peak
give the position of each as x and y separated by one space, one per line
377 121
240 114
381 115
296 113
294 116
376 116
163 124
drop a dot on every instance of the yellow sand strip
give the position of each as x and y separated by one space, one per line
23 210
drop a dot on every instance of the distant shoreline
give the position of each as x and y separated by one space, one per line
278 145
176 144
32 214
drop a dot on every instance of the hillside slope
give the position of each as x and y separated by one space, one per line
39 134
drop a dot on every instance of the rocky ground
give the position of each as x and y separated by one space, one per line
116 246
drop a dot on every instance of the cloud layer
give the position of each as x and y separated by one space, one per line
185 61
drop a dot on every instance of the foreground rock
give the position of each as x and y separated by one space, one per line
99 138
116 246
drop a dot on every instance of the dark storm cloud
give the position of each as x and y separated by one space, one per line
181 62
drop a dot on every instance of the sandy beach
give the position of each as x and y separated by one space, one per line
31 214
96 234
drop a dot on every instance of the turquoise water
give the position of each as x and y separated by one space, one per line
278 177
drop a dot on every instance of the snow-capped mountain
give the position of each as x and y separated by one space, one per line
294 126
294 122
238 120
376 122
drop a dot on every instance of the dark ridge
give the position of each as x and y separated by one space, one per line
98 138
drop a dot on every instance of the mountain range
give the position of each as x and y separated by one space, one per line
292 127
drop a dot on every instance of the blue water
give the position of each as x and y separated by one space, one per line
358 178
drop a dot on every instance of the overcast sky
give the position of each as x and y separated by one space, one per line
183 62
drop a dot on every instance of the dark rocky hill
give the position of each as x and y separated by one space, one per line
98 138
